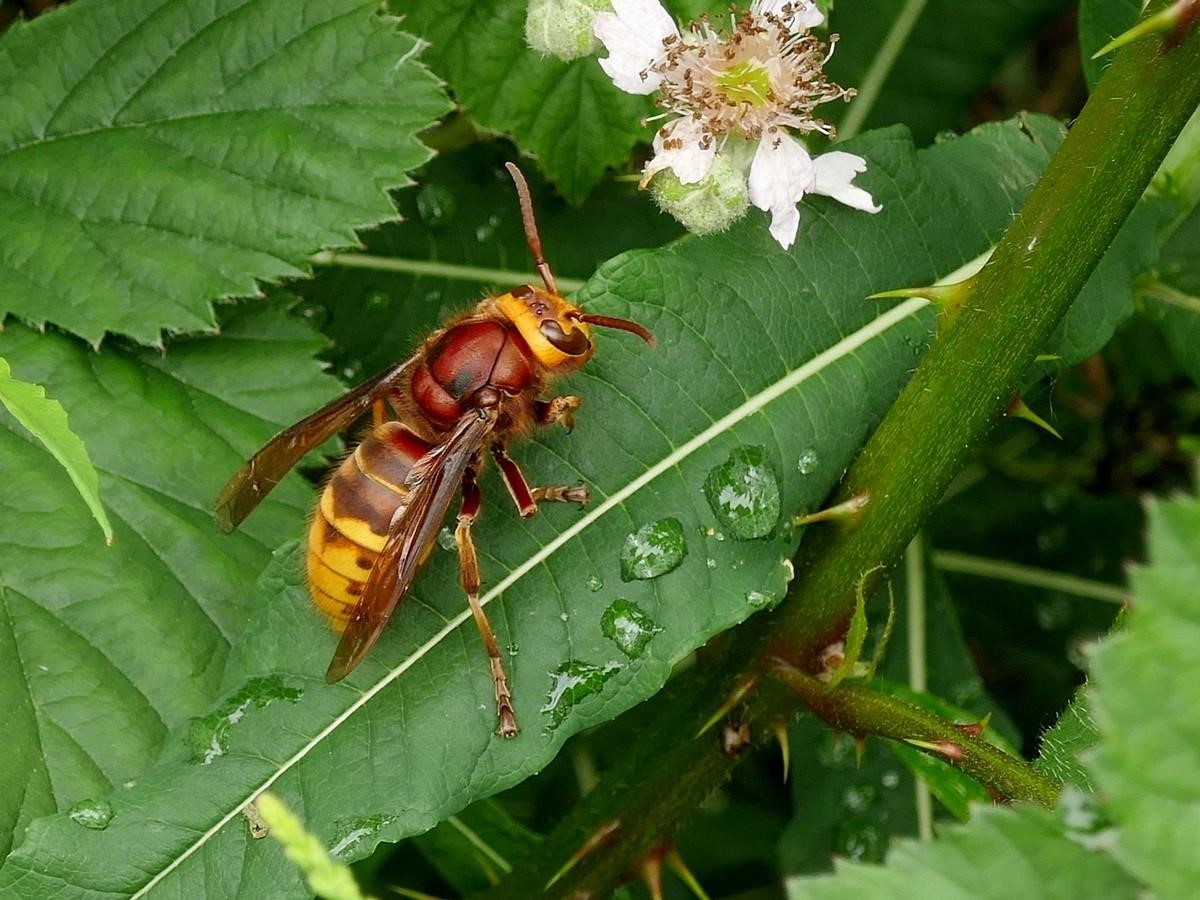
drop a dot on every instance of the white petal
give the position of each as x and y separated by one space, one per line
681 147
781 173
832 176
802 14
634 33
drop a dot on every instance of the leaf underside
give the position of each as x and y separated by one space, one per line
1147 764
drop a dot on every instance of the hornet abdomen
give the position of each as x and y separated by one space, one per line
353 518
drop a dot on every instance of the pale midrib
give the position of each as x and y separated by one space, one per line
752 405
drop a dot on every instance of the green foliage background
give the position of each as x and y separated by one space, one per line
157 156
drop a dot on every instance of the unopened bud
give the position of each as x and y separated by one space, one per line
711 205
563 28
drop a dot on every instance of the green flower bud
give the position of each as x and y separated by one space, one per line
710 205
563 28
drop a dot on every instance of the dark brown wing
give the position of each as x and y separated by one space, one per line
267 467
433 484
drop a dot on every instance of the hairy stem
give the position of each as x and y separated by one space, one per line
957 393
856 709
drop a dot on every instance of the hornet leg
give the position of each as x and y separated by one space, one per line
468 564
527 498
559 409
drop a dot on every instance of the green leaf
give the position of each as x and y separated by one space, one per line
47 421
1107 299
1002 853
1099 22
843 808
475 848
1145 705
1061 746
568 115
104 649
788 334
227 142
952 53
1174 303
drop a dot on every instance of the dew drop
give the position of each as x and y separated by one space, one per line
744 494
629 627
351 834
313 312
890 779
208 736
594 583
445 539
94 814
653 550
807 462
761 599
859 798
436 205
711 563
513 649
858 840
352 371
572 682
378 300
837 752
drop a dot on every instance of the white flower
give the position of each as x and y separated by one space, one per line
636 34
754 88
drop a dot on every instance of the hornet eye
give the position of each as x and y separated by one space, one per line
574 344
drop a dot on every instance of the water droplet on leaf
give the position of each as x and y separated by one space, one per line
627 626
594 583
653 550
436 205
761 599
860 841
352 371
572 682
859 798
351 833
312 312
807 463
95 814
209 736
744 494
445 539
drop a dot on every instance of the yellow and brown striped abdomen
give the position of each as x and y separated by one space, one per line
352 519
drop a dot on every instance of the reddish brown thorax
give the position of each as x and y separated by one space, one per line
466 361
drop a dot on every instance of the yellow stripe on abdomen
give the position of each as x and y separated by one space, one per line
348 530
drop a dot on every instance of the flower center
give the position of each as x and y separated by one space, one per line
745 82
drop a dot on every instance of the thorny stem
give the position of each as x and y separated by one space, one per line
957 393
856 709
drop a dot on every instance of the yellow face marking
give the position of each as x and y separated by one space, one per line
518 311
